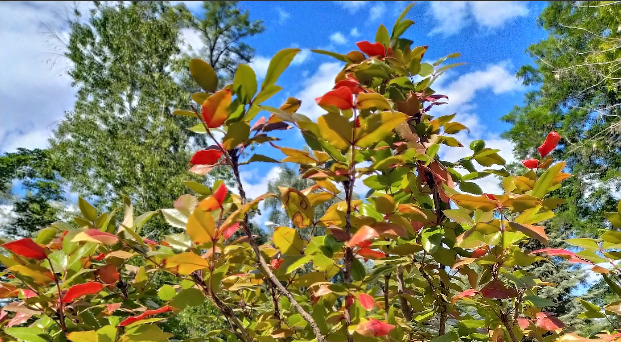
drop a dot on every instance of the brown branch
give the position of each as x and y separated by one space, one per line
61 313
405 306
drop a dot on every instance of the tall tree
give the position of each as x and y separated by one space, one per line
38 201
121 137
578 71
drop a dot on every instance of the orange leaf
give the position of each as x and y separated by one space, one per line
342 98
80 290
26 248
371 254
214 201
530 163
365 233
130 320
548 322
465 294
216 108
366 301
535 232
109 274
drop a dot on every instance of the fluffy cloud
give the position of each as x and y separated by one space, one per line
255 185
452 16
462 92
354 32
352 6
377 11
316 85
338 38
260 64
33 65
283 16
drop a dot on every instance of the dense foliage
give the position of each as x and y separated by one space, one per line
447 265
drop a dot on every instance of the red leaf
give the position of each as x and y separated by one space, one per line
531 163
497 289
467 293
230 230
19 318
490 197
28 293
523 323
549 144
100 257
365 233
80 290
342 98
373 327
479 252
149 242
130 320
109 274
548 322
371 254
366 301
26 248
349 300
555 252
372 49
579 261
276 263
214 201
352 84
206 157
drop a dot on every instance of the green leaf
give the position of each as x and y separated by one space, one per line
589 306
261 158
543 183
180 112
175 218
448 337
338 56
144 333
611 283
298 263
187 297
614 218
432 151
45 236
454 127
357 270
400 28
431 240
83 336
198 187
382 36
470 187
106 334
88 211
245 83
288 241
236 133
426 69
28 334
278 64
203 75
584 243
539 302
166 292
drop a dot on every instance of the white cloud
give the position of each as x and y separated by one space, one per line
338 38
301 57
283 16
461 92
31 64
354 32
317 85
486 15
352 6
192 41
255 185
377 11
260 64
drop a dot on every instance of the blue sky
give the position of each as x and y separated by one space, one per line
491 36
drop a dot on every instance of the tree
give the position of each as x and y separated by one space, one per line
41 195
577 70
222 31
449 265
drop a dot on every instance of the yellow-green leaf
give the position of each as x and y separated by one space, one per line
87 210
83 336
186 263
454 127
298 207
376 127
382 36
245 83
201 226
278 64
288 241
372 100
204 75
474 202
237 133
545 181
181 112
335 129
535 232
37 273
